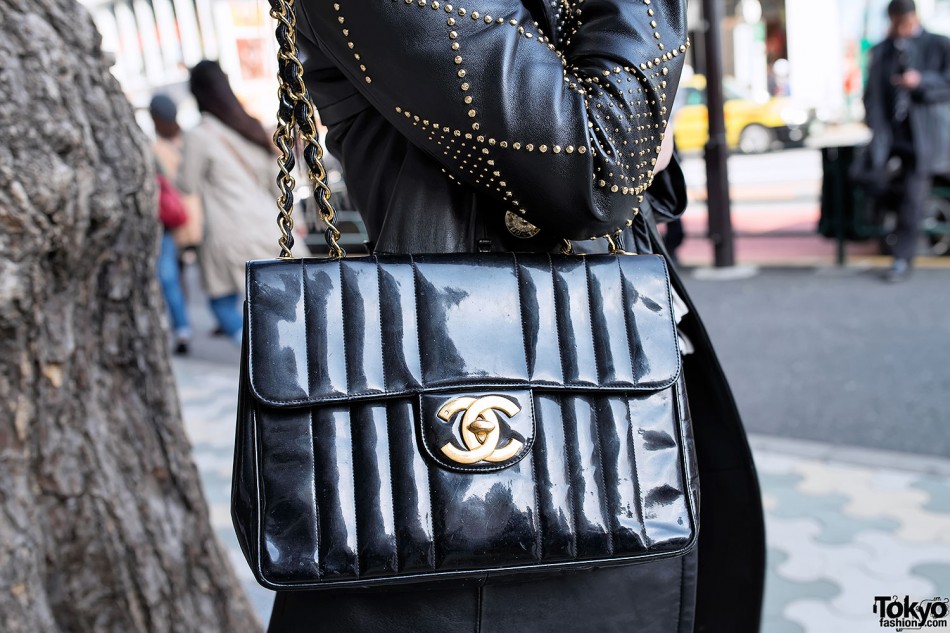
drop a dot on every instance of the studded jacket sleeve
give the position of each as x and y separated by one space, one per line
558 109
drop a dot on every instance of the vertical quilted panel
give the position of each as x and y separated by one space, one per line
375 513
288 512
279 331
485 517
649 322
574 323
469 330
325 345
657 446
593 532
540 319
620 475
611 342
412 500
336 496
363 326
400 331
551 460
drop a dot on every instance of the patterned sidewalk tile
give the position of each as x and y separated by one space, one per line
838 534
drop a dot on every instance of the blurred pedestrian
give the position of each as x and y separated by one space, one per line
228 160
907 100
172 214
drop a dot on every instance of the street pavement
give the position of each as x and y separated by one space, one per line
837 356
843 382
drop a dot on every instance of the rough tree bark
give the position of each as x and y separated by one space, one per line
103 526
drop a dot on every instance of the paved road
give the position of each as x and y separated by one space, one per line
837 357
788 166
778 191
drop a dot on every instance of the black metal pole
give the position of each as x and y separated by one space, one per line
717 172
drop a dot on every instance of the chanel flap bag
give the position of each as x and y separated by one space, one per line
409 418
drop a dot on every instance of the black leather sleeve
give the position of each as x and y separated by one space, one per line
557 108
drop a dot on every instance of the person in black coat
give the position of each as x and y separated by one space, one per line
907 100
512 125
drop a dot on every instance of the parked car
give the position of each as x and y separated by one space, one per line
752 127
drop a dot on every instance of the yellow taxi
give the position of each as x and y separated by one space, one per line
752 127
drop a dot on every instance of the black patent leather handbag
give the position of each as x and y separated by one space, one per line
411 418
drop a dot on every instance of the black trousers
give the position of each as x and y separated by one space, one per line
916 184
655 597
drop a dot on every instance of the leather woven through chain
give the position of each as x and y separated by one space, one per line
296 113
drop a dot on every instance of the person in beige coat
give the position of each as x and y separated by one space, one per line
228 160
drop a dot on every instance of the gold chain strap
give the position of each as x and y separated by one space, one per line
296 111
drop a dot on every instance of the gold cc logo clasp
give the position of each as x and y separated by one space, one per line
480 429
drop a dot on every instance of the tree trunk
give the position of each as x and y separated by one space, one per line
103 526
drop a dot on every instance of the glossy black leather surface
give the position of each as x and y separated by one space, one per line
558 322
338 477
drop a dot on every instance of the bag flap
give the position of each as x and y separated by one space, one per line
322 330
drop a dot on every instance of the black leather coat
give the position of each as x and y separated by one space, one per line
448 118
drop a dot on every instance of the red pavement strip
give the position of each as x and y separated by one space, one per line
798 252
778 210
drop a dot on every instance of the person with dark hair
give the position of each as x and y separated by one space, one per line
509 126
167 150
228 160
907 100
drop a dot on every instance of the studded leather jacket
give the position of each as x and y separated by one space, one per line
545 117
511 125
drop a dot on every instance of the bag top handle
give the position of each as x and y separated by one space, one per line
296 113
